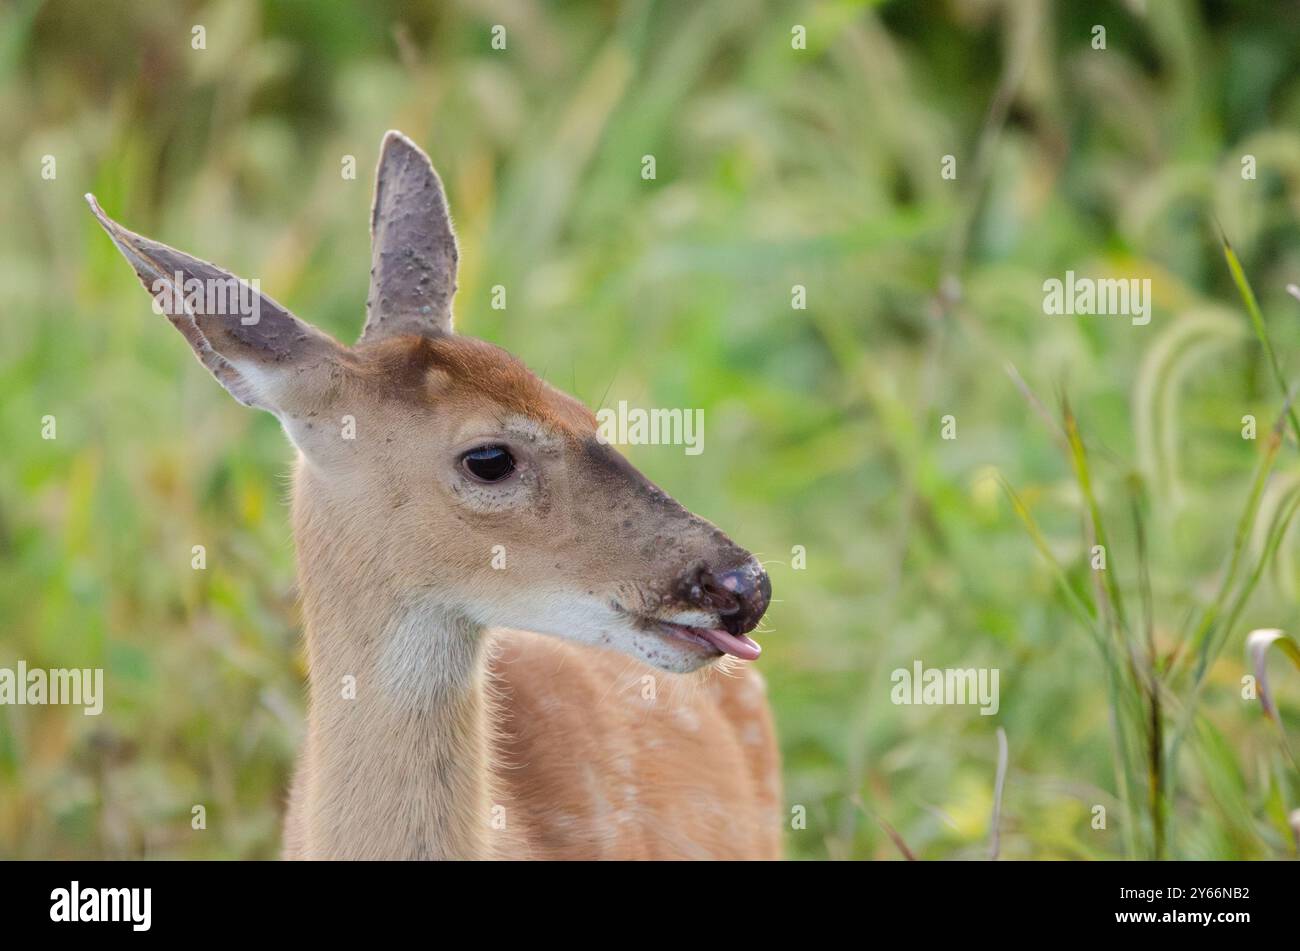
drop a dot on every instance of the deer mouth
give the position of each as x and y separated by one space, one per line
714 639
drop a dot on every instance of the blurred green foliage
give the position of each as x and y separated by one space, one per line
775 167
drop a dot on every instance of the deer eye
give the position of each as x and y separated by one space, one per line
488 463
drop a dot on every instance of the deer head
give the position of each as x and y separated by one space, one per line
440 468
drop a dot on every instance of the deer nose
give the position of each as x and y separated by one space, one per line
739 595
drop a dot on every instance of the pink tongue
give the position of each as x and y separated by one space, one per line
735 645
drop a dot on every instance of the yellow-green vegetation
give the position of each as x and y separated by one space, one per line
775 166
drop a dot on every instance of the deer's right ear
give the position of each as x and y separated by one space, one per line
413 254
261 353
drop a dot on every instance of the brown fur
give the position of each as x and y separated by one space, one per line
691 773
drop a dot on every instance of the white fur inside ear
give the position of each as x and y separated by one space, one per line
255 385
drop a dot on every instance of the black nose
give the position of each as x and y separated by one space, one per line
738 595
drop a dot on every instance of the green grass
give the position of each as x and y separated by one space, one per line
1121 689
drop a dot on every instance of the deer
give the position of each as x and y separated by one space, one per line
518 647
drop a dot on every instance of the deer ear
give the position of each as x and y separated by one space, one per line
413 249
255 348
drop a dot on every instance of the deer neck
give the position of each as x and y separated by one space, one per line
397 756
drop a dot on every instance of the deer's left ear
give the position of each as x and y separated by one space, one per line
264 355
413 248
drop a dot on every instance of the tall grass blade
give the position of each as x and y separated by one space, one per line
1257 320
995 824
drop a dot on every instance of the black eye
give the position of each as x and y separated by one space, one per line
488 463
